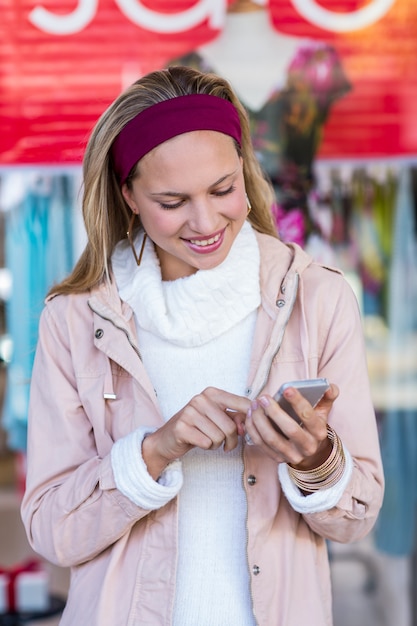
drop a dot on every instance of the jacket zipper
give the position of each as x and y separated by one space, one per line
291 306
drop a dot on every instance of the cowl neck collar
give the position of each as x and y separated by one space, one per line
190 311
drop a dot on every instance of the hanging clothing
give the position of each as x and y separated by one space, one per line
38 252
288 110
395 530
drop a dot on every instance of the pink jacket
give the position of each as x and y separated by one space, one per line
89 388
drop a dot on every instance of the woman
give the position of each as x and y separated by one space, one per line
154 469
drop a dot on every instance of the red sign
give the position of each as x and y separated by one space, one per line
64 61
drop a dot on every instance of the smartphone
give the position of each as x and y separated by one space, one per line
312 389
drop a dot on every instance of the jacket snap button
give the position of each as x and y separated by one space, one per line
256 570
99 333
251 479
280 303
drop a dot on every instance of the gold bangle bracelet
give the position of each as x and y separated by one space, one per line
324 467
327 474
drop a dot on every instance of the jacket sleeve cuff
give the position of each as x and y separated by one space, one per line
132 478
318 501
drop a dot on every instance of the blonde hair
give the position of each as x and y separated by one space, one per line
105 212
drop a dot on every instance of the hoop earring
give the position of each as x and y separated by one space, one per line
248 205
129 234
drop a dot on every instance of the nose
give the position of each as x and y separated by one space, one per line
203 217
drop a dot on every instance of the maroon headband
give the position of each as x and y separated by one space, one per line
168 119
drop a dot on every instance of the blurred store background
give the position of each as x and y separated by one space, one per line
330 88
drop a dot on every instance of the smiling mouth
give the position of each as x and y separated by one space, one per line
206 242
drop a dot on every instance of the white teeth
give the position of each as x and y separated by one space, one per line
205 242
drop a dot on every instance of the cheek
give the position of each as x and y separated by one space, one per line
238 208
160 224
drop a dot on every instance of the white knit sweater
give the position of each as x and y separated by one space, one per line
193 333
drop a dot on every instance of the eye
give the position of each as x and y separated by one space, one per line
224 192
167 206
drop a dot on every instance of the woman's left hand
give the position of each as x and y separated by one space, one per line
304 446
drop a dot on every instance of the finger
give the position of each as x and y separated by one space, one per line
329 397
260 432
226 400
306 441
221 429
273 423
303 447
214 423
314 420
188 430
239 420
217 404
276 417
216 416
231 424
293 446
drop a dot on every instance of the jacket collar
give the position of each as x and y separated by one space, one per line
281 263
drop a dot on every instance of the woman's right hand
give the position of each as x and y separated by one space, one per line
211 418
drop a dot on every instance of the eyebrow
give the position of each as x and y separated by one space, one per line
176 194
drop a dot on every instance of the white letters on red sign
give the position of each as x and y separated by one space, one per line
212 10
342 22
64 24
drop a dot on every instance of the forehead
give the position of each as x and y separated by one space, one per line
197 151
